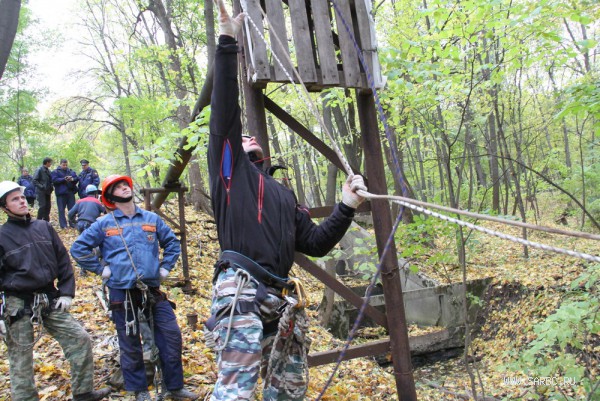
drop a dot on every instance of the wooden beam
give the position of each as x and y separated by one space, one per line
278 38
390 272
305 133
340 288
302 41
324 41
350 62
255 46
418 345
359 351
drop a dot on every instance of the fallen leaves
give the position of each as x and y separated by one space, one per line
522 293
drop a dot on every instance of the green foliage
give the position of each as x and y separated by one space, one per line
416 240
25 137
565 341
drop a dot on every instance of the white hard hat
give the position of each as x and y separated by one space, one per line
91 188
7 187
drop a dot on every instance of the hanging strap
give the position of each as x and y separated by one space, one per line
139 283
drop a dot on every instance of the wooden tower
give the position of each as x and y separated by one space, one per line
313 36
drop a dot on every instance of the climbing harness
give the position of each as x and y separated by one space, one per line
38 308
290 322
241 278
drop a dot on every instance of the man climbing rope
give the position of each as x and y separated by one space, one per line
260 225
130 240
36 277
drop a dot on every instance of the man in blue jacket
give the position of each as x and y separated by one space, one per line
87 210
88 176
130 240
27 181
65 186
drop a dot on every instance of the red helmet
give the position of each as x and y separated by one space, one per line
108 182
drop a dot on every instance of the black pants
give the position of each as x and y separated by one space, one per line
44 206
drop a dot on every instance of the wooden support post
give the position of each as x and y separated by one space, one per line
382 222
178 225
187 288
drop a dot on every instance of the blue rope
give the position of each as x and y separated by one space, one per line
371 84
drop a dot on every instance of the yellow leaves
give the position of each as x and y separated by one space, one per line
51 393
49 371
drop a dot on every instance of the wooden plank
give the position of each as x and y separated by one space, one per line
350 62
373 348
421 344
304 132
324 42
278 39
302 41
368 41
340 288
257 47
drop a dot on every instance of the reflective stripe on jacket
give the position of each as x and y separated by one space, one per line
145 233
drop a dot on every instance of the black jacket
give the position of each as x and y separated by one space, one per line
256 215
32 258
42 179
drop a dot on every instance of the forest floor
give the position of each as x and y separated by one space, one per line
522 292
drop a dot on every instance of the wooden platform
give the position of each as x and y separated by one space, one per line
312 35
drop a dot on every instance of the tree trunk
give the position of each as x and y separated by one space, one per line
332 170
9 21
297 171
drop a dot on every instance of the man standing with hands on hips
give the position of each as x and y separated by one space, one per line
130 240
260 225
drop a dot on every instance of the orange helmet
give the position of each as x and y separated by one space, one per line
108 182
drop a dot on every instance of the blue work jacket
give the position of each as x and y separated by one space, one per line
144 234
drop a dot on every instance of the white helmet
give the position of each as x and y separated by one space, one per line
7 187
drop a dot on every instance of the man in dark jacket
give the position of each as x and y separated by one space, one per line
87 176
37 279
260 225
27 181
42 179
65 183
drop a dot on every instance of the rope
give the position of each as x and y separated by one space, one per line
290 341
498 234
403 201
313 108
40 302
241 278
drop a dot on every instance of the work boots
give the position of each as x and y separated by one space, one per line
96 395
181 394
142 396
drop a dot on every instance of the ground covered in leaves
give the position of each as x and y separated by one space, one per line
522 292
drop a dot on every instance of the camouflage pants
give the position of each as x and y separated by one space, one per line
73 339
248 348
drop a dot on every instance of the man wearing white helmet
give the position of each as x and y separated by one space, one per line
38 285
87 210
